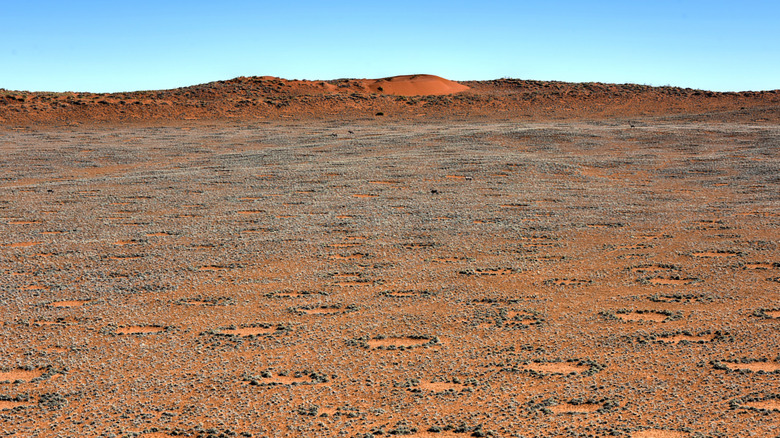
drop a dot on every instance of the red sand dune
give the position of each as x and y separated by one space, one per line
415 85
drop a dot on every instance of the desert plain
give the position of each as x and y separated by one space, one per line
404 257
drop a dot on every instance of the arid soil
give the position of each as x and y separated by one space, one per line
473 264
409 98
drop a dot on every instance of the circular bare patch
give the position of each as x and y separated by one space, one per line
157 435
764 405
441 386
139 330
758 402
69 303
659 433
748 365
674 338
628 315
569 367
22 244
643 316
22 374
395 342
249 330
454 385
571 408
679 297
767 313
653 268
715 254
266 378
8 405
557 368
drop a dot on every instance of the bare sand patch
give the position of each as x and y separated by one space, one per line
676 339
21 374
324 309
715 254
397 342
354 256
290 380
642 316
7 404
298 378
773 313
344 245
765 366
53 349
653 268
441 386
659 433
352 283
248 331
570 408
69 303
139 330
442 434
567 282
22 244
556 367
767 405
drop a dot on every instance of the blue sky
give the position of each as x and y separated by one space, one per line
104 46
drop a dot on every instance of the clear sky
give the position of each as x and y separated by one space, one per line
106 46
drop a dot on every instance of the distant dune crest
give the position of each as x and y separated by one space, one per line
415 85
